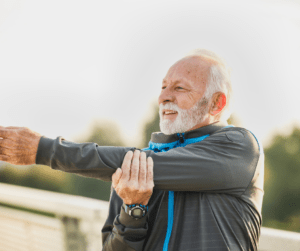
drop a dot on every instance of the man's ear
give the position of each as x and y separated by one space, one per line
218 103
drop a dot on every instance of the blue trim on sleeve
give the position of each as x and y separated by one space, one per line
261 150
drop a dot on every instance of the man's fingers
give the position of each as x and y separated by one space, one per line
143 168
116 177
126 165
135 166
150 171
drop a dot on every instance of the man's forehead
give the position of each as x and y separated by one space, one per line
174 80
193 67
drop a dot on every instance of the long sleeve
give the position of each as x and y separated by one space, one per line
220 176
122 232
224 162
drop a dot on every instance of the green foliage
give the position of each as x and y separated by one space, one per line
234 120
36 176
281 207
104 133
92 188
151 126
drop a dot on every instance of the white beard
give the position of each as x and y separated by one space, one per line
185 120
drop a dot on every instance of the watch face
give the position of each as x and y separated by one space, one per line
137 212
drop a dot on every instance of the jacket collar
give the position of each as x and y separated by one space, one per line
159 137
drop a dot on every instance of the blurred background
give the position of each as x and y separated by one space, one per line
91 71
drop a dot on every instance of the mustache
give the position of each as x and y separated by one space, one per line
169 106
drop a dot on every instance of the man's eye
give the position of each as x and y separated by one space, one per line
179 87
163 87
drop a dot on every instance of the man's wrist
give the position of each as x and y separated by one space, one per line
44 151
136 211
128 221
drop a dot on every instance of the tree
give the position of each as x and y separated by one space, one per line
151 126
281 206
234 120
36 176
104 133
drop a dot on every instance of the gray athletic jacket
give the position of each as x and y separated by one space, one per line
207 195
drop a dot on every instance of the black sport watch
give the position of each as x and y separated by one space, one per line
136 211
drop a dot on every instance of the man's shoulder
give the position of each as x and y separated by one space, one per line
238 136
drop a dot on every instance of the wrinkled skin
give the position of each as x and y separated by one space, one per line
18 145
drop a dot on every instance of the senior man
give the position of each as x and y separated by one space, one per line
208 176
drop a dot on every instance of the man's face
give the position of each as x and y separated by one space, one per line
182 103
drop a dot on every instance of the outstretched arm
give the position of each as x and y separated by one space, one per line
225 162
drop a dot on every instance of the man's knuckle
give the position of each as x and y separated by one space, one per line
124 185
135 187
142 190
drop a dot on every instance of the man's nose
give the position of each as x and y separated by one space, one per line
166 96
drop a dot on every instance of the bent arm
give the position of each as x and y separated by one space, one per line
121 231
224 162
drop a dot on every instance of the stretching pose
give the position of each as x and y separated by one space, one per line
199 184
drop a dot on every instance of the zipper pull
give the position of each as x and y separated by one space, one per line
181 138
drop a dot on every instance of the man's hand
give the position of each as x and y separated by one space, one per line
134 183
18 145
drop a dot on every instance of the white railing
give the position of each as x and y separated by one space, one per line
63 222
68 222
278 240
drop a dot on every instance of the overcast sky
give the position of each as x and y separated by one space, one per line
65 63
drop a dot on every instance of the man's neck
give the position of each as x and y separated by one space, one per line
208 121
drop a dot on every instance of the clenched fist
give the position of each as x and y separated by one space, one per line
134 183
18 145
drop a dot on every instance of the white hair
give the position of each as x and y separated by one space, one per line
218 80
